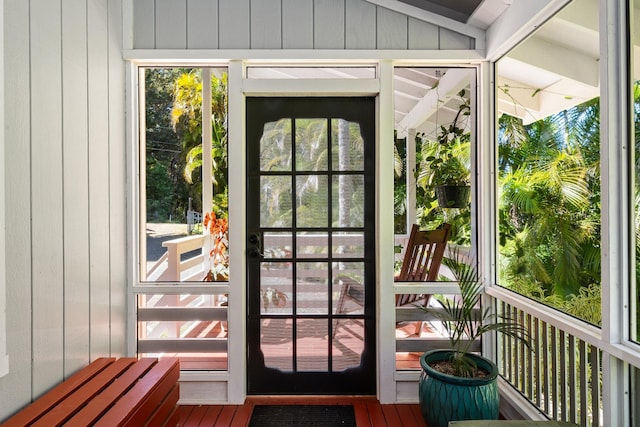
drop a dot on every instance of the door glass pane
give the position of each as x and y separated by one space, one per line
347 244
312 196
277 245
347 146
275 146
348 201
276 343
312 350
348 344
348 290
312 245
276 280
312 286
311 144
275 201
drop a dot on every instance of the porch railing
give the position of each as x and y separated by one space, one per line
561 374
171 267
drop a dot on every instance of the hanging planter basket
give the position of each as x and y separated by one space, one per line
445 398
453 196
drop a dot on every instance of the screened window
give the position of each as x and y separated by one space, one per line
183 216
548 164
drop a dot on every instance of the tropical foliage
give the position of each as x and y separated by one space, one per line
464 320
549 208
186 118
445 159
167 194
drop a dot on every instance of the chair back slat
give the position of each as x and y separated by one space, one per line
422 258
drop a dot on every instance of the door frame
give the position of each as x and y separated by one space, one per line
385 342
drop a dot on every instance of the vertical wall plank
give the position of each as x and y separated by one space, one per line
171 24
75 181
99 252
328 24
266 24
46 194
297 24
452 40
144 24
202 24
117 184
234 24
360 25
392 29
423 35
15 388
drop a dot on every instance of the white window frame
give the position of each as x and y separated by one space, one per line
4 357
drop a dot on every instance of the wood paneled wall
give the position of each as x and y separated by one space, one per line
284 24
65 191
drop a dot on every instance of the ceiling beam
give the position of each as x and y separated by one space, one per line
516 23
454 80
557 59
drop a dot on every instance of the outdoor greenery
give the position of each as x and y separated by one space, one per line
549 208
548 183
444 159
173 99
167 193
548 201
447 160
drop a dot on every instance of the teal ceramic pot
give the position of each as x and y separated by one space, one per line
445 398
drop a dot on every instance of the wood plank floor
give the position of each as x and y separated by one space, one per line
369 412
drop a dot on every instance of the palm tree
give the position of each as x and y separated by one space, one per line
186 117
549 223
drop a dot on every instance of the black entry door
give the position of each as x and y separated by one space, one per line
310 245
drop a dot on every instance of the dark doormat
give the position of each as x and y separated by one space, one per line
302 415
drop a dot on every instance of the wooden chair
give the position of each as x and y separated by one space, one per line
422 258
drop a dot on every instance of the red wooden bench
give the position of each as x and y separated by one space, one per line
109 392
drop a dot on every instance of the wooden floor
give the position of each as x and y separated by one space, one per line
368 411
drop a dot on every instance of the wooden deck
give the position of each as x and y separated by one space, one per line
368 411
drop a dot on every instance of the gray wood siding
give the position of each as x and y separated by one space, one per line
284 24
65 191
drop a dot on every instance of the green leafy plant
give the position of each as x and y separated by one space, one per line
445 161
465 321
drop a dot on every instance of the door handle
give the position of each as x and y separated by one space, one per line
254 249
253 252
254 239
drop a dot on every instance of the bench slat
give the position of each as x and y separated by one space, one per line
135 407
54 396
105 400
79 398
159 418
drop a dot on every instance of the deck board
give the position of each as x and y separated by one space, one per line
368 411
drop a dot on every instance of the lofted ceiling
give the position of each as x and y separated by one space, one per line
460 10
476 13
553 69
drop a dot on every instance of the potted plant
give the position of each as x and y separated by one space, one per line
456 384
445 162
